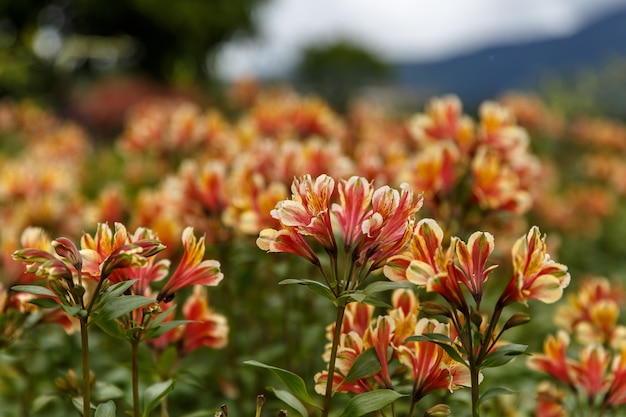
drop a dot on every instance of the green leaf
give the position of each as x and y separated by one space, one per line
103 391
441 340
154 394
200 414
106 409
120 288
494 392
71 310
361 297
45 302
315 286
120 306
295 384
369 402
503 355
155 331
366 364
291 400
34 289
42 401
112 328
382 286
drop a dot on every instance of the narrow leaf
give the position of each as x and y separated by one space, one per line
106 409
366 364
315 286
369 402
120 288
34 289
494 392
120 306
382 286
439 339
45 302
154 394
291 400
503 355
295 384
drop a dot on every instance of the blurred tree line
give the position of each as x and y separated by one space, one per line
46 44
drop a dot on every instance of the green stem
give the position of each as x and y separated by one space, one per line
333 357
135 376
84 345
474 375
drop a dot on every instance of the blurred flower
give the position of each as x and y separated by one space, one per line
592 313
554 360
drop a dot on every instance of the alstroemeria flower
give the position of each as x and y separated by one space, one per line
535 275
591 371
424 259
390 227
554 360
427 362
207 329
192 270
355 196
379 337
616 394
286 240
472 258
309 209
111 254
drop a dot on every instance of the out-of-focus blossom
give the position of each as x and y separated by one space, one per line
554 360
205 329
592 313
550 401
616 394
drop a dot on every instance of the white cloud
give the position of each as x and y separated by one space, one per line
400 29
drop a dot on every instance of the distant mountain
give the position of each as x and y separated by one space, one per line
484 74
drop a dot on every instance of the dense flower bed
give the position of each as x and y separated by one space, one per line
401 221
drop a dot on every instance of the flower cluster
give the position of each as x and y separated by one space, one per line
591 375
77 280
374 225
426 365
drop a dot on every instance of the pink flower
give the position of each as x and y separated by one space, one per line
286 240
472 259
207 329
309 209
192 270
355 196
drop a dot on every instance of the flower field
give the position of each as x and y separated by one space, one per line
275 256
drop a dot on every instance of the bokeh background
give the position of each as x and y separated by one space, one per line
559 65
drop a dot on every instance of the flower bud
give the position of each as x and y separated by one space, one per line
439 410
66 249
433 308
516 319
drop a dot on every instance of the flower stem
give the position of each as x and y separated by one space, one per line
84 345
474 375
333 357
135 376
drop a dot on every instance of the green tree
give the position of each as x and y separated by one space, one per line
336 71
168 40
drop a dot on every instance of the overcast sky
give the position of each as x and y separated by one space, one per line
401 30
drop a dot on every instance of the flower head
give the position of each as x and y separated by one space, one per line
192 270
535 275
